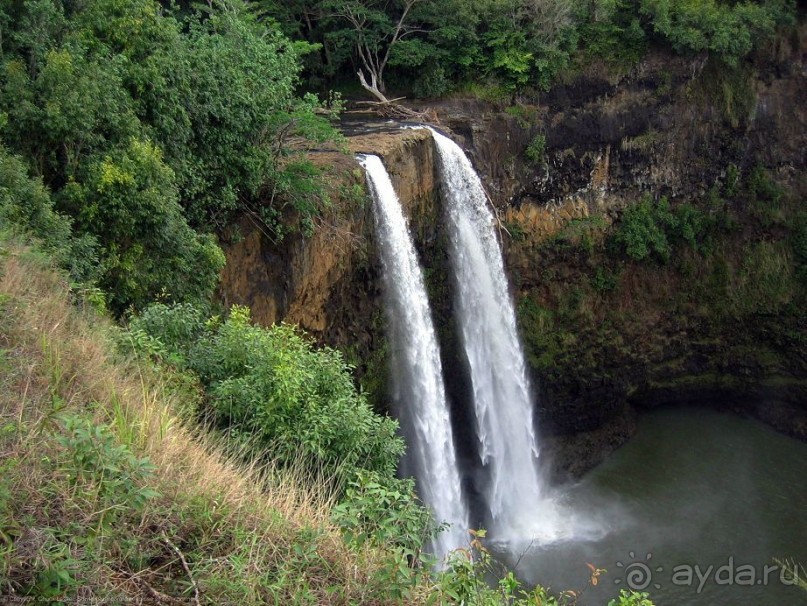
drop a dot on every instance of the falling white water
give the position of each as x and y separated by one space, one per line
502 402
417 374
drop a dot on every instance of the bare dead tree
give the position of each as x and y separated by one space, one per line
374 52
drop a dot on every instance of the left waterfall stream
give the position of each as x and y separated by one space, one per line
417 376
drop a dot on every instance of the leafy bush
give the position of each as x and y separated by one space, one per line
642 231
174 328
385 512
631 598
765 198
604 280
104 468
536 150
762 188
474 578
271 387
648 229
377 511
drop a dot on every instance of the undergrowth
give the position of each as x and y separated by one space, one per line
105 495
109 495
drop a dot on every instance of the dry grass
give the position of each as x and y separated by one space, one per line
220 532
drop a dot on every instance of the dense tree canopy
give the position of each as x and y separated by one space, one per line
150 127
519 44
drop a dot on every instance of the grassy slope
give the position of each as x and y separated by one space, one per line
77 515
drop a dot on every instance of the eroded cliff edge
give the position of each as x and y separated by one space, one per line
328 282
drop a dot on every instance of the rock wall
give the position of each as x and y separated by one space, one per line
328 283
606 335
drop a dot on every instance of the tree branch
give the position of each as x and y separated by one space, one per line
186 567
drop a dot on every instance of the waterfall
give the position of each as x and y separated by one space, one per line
501 392
417 371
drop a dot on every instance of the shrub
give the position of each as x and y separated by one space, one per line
174 328
631 598
762 188
649 230
104 468
642 232
385 512
270 387
536 150
378 511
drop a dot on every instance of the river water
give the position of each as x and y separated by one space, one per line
693 510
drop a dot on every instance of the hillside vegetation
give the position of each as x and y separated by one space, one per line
106 494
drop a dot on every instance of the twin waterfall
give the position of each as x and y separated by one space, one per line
502 407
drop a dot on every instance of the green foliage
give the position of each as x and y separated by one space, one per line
171 330
240 112
97 463
642 231
650 229
604 280
764 197
762 188
380 511
516 230
270 387
526 115
474 578
385 512
536 150
519 45
631 598
580 233
26 206
143 126
128 202
732 181
613 33
730 30
539 325
765 279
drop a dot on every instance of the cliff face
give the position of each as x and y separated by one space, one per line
718 319
328 283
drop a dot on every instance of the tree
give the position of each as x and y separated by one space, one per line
145 128
377 29
128 201
729 30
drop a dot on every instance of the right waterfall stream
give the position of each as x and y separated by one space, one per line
502 403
